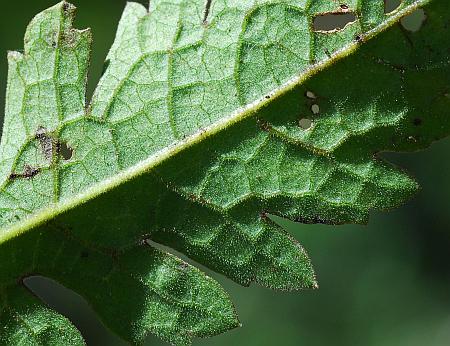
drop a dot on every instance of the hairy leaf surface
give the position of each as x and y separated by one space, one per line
209 118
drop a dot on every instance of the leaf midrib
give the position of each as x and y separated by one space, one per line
53 210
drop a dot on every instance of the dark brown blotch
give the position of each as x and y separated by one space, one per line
28 173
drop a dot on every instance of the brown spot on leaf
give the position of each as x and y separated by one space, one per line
263 125
28 173
66 6
183 266
263 215
45 141
208 4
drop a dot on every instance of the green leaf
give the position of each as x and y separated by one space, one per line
208 120
26 321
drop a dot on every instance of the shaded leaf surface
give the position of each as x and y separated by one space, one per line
193 139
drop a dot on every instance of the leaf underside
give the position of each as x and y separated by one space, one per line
206 121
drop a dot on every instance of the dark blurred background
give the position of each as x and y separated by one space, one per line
387 283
